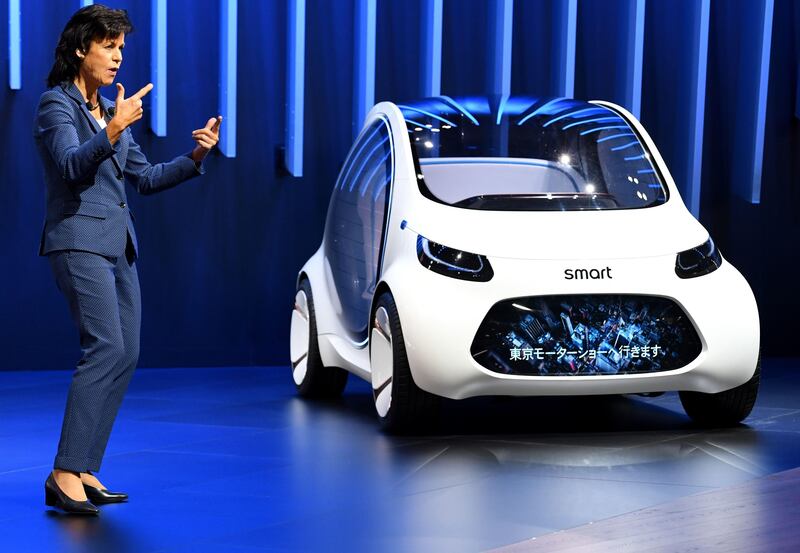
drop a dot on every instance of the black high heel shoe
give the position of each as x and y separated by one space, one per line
54 497
101 497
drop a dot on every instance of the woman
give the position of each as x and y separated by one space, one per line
88 152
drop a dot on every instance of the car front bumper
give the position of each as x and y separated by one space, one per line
440 317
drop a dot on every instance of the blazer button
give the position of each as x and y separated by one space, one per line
123 204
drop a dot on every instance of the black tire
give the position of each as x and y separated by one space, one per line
319 381
726 408
412 409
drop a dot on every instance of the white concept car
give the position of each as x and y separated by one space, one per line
518 246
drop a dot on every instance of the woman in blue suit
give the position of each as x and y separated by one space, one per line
88 152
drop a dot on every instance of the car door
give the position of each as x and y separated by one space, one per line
355 224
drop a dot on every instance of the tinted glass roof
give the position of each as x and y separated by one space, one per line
520 110
558 153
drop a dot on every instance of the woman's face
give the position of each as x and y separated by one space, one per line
101 63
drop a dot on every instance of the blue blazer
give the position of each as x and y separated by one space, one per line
87 208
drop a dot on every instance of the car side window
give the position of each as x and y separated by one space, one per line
355 225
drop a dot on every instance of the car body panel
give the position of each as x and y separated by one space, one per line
529 252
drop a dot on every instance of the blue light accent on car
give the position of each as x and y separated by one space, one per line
478 105
517 105
417 123
453 263
613 136
631 158
378 167
654 185
595 120
583 112
429 114
500 108
345 176
227 77
625 146
380 145
14 45
447 100
540 109
645 171
158 68
295 85
598 129
379 189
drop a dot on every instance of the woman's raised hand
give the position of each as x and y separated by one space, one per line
126 111
206 138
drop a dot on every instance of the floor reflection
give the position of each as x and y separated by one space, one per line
230 459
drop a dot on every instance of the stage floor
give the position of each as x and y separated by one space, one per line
228 459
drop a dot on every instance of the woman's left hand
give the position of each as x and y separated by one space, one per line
206 138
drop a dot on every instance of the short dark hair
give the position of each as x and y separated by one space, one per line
94 22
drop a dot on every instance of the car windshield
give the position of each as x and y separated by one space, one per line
529 154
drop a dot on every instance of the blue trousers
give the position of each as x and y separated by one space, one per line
105 302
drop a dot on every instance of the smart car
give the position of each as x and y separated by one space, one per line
518 246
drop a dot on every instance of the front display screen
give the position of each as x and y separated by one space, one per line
596 334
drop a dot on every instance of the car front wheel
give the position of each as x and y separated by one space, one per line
400 403
311 377
724 408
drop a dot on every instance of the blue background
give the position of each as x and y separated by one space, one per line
219 255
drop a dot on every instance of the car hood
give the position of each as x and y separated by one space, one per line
611 234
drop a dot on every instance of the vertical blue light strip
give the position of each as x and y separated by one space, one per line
698 109
295 87
633 90
14 46
227 77
568 21
432 48
501 46
158 67
763 89
365 61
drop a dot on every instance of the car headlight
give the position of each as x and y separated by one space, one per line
698 261
453 263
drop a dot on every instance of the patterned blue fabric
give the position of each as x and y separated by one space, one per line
90 241
105 303
87 208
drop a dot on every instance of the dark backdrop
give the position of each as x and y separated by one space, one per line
219 254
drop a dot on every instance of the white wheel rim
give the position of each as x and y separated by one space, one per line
300 330
381 361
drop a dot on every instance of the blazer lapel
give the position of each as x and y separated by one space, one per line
73 92
105 105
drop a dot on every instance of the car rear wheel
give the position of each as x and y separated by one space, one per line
724 408
400 403
311 377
